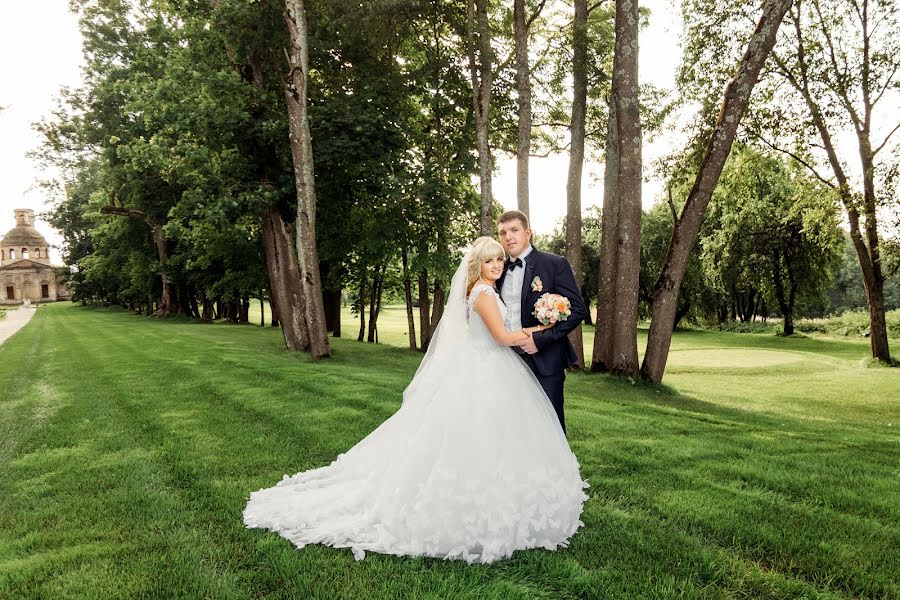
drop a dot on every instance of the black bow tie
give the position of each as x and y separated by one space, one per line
512 264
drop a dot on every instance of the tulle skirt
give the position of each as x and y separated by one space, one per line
473 466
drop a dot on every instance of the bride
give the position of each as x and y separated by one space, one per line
473 466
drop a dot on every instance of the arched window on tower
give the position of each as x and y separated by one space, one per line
37 252
12 254
24 252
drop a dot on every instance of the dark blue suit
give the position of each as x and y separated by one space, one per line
555 352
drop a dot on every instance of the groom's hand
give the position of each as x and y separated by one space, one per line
528 344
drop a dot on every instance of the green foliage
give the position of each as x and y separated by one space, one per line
772 232
590 250
698 299
183 118
851 323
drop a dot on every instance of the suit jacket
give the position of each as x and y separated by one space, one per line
555 352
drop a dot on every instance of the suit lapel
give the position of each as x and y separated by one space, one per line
531 261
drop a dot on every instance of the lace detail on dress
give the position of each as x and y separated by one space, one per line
478 290
478 334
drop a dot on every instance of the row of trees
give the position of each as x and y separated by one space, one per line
223 150
771 244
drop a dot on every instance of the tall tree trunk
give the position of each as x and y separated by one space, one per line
208 312
622 239
286 291
684 234
301 150
867 248
779 292
481 61
424 312
375 302
362 305
273 306
437 303
586 298
281 261
606 299
576 158
332 300
262 309
523 88
407 296
245 307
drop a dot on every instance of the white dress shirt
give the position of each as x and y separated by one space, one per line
512 293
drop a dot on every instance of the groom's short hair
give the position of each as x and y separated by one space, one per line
512 215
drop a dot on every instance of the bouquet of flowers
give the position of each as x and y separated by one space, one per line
551 308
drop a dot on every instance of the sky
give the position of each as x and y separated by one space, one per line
42 44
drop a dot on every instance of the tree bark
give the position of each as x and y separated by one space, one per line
286 291
481 61
332 301
362 305
262 309
424 312
523 88
437 303
602 354
280 256
295 90
576 158
375 302
407 296
621 241
245 308
684 234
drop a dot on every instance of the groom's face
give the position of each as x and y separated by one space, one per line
514 237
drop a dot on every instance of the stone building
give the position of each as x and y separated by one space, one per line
25 269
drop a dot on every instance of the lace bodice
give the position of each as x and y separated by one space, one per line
478 331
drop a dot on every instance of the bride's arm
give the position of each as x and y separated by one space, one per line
486 307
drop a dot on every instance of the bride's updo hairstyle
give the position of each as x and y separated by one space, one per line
482 249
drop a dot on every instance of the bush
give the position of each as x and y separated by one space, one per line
749 327
850 323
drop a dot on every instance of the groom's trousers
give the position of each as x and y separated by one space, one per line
553 387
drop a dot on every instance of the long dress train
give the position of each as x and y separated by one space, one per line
473 466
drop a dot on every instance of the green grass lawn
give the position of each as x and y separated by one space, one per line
766 467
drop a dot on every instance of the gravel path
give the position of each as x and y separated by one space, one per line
14 321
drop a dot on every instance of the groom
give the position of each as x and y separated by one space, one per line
528 274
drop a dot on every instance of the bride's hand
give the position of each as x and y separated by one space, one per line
539 327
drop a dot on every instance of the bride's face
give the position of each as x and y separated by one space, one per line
492 268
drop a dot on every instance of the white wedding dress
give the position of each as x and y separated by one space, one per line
473 466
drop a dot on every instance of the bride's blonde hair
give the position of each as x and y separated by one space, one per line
482 249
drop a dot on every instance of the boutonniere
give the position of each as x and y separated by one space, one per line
537 285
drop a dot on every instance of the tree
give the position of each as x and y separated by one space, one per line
481 63
576 155
615 342
295 92
776 233
521 26
697 299
737 97
842 57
